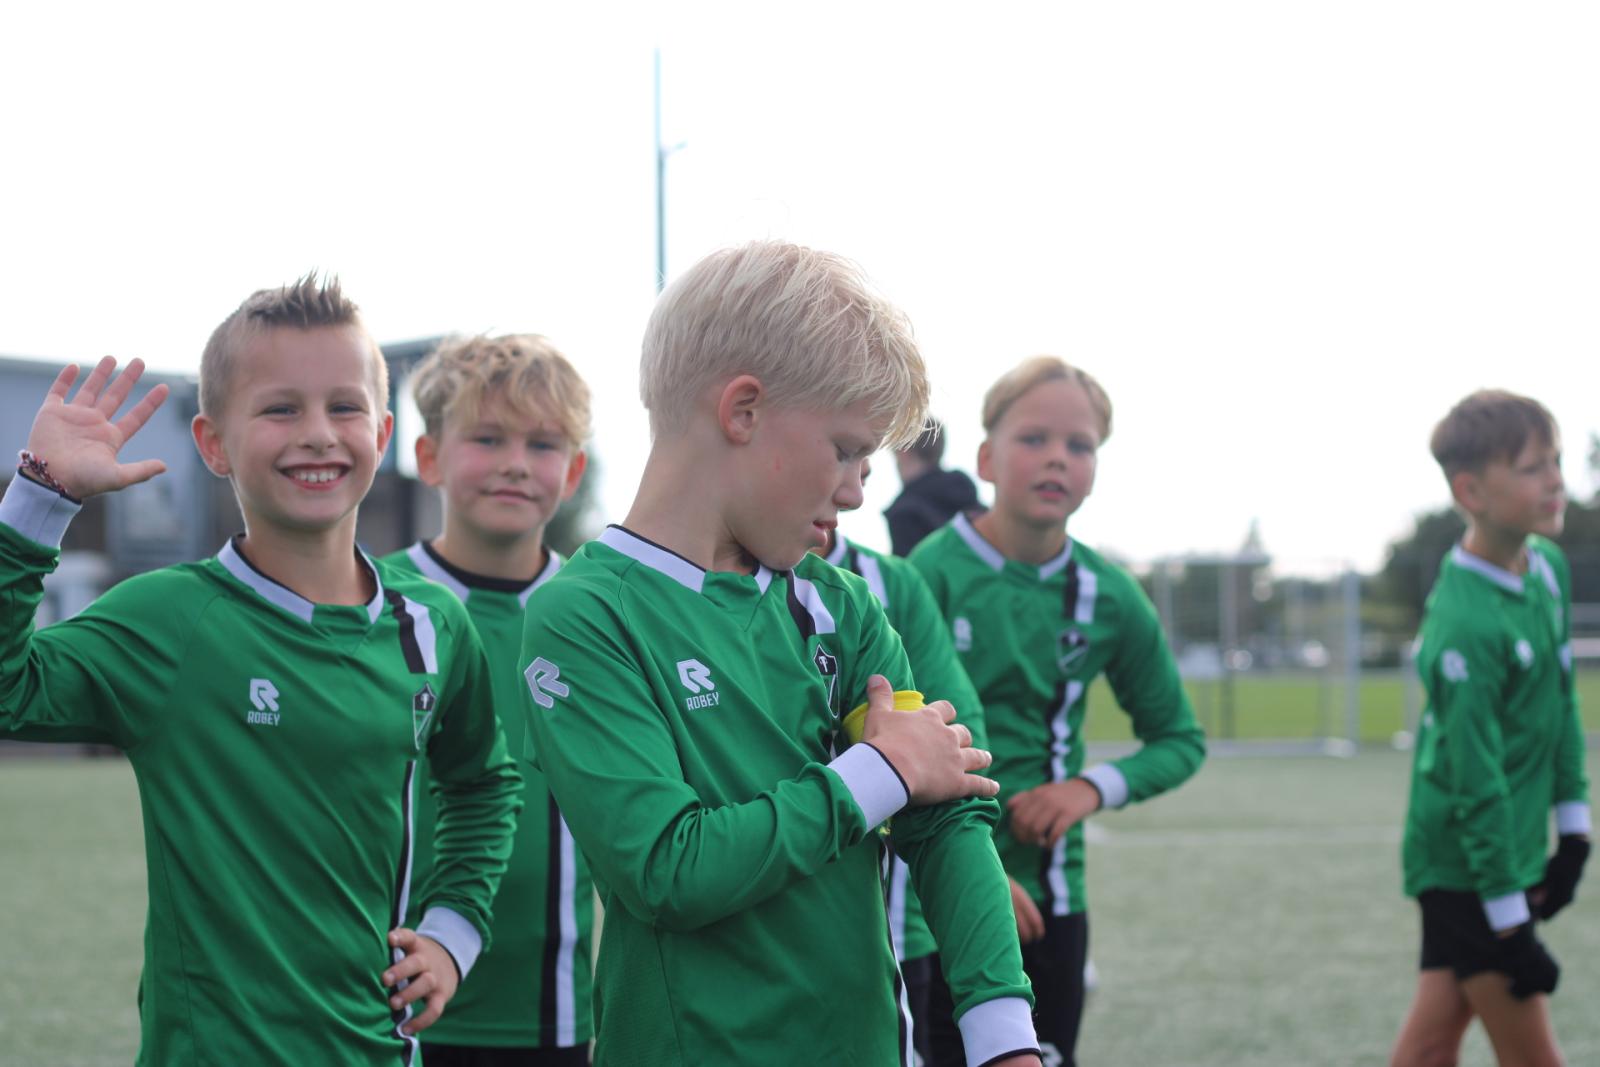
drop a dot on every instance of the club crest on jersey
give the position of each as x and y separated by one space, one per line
422 704
1071 646
264 698
696 678
828 667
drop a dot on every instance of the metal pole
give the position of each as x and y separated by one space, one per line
661 185
1352 657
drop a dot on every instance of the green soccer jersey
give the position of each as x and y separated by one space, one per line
914 615
1500 743
1032 639
275 742
689 722
533 988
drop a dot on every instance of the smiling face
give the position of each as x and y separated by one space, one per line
1041 455
1511 499
503 476
799 469
302 430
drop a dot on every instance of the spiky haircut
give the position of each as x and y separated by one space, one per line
808 324
525 371
1035 371
304 304
1486 426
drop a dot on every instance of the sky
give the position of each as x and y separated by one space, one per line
1286 237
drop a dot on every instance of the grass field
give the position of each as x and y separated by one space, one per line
1291 706
1252 919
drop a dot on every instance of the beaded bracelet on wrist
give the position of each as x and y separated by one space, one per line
39 471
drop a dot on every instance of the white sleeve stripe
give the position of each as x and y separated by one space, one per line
1505 912
874 784
37 513
1111 783
1572 817
997 1028
459 937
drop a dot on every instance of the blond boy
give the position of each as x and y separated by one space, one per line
274 702
690 672
506 419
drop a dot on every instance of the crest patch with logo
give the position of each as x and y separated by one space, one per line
1071 647
423 702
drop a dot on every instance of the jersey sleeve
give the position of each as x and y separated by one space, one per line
958 878
1468 679
607 751
1571 792
916 617
1144 678
478 792
93 677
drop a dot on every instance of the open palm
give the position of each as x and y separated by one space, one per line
79 439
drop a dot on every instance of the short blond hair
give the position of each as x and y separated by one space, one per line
306 303
806 323
524 370
1035 371
1487 426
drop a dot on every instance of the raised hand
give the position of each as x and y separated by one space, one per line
932 752
79 440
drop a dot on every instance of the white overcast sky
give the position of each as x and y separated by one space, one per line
1287 236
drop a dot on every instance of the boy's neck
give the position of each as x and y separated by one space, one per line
1023 542
678 507
1503 548
321 566
521 560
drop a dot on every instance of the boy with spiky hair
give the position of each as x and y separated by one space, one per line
1500 746
274 702
691 672
506 419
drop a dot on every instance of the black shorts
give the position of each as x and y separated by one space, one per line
1456 934
483 1056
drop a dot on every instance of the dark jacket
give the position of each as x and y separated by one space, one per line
926 503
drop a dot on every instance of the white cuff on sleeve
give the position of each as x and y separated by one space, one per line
997 1028
459 937
1507 911
1112 785
873 783
37 513
1572 817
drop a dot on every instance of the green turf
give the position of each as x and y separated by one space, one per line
1253 918
1296 706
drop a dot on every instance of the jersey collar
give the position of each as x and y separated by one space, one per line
691 576
234 563
996 560
461 582
840 547
1511 583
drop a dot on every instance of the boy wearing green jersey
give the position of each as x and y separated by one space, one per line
1500 747
1035 618
505 420
913 614
274 702
691 672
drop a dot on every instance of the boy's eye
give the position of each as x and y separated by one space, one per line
488 440
1081 447
1033 440
347 409
278 409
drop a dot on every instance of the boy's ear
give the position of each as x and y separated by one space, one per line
986 462
1467 489
575 468
427 449
208 442
739 408
385 432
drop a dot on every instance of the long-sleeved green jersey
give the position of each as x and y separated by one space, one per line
689 724
1033 638
1500 743
914 615
533 988
275 742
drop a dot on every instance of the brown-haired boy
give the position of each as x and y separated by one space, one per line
1499 748
273 701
